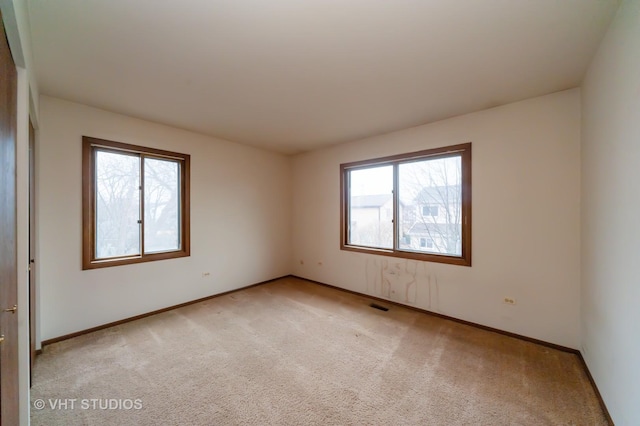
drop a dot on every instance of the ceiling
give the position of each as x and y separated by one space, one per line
297 75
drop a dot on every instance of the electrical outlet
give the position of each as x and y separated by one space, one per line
509 301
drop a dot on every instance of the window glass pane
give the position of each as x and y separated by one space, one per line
117 204
431 206
161 205
371 207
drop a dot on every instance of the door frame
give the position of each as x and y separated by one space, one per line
32 252
9 353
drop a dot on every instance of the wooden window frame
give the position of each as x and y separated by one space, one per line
89 147
461 150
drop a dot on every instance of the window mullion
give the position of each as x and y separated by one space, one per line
347 207
94 205
141 221
181 201
396 207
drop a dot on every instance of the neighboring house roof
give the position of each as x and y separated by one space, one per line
437 194
363 201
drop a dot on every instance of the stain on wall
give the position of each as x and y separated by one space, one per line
403 280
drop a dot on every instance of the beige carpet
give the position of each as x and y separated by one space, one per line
295 353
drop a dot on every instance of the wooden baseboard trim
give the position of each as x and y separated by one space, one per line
148 314
482 327
595 388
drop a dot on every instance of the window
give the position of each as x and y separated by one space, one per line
429 210
135 204
430 195
426 242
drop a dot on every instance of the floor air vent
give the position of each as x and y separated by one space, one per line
376 306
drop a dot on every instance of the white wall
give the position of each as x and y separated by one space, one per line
240 221
610 225
526 220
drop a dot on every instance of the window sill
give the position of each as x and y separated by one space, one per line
97 264
425 257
